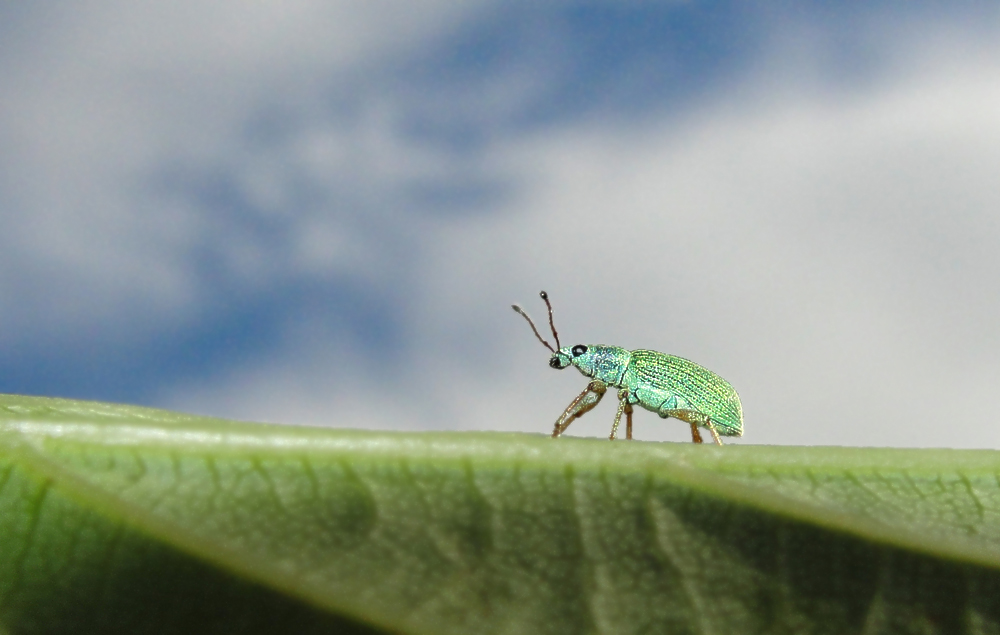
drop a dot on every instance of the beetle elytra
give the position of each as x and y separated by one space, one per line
668 385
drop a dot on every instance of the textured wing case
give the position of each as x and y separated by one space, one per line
655 377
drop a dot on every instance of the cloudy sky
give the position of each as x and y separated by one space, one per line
320 212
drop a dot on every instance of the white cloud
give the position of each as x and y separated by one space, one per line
832 254
105 98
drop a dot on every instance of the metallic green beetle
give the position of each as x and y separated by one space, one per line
668 385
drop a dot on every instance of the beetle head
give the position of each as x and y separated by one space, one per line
582 356
560 360
606 363
572 356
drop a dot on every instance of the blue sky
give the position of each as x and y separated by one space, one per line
320 212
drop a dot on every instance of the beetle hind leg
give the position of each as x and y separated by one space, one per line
695 435
696 419
715 434
584 403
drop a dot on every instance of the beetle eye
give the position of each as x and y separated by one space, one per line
578 350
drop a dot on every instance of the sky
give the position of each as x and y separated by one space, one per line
320 212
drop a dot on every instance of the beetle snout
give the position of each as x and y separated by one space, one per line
556 362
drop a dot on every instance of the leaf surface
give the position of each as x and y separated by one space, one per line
125 519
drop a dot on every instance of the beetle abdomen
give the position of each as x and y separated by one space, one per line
656 377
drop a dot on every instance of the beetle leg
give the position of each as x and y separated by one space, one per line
715 435
695 435
695 418
580 406
623 407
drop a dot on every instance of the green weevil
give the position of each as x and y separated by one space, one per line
668 385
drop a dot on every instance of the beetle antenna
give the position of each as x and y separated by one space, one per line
552 325
525 316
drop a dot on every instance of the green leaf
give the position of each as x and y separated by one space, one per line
118 519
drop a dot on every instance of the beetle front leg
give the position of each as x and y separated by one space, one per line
580 406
